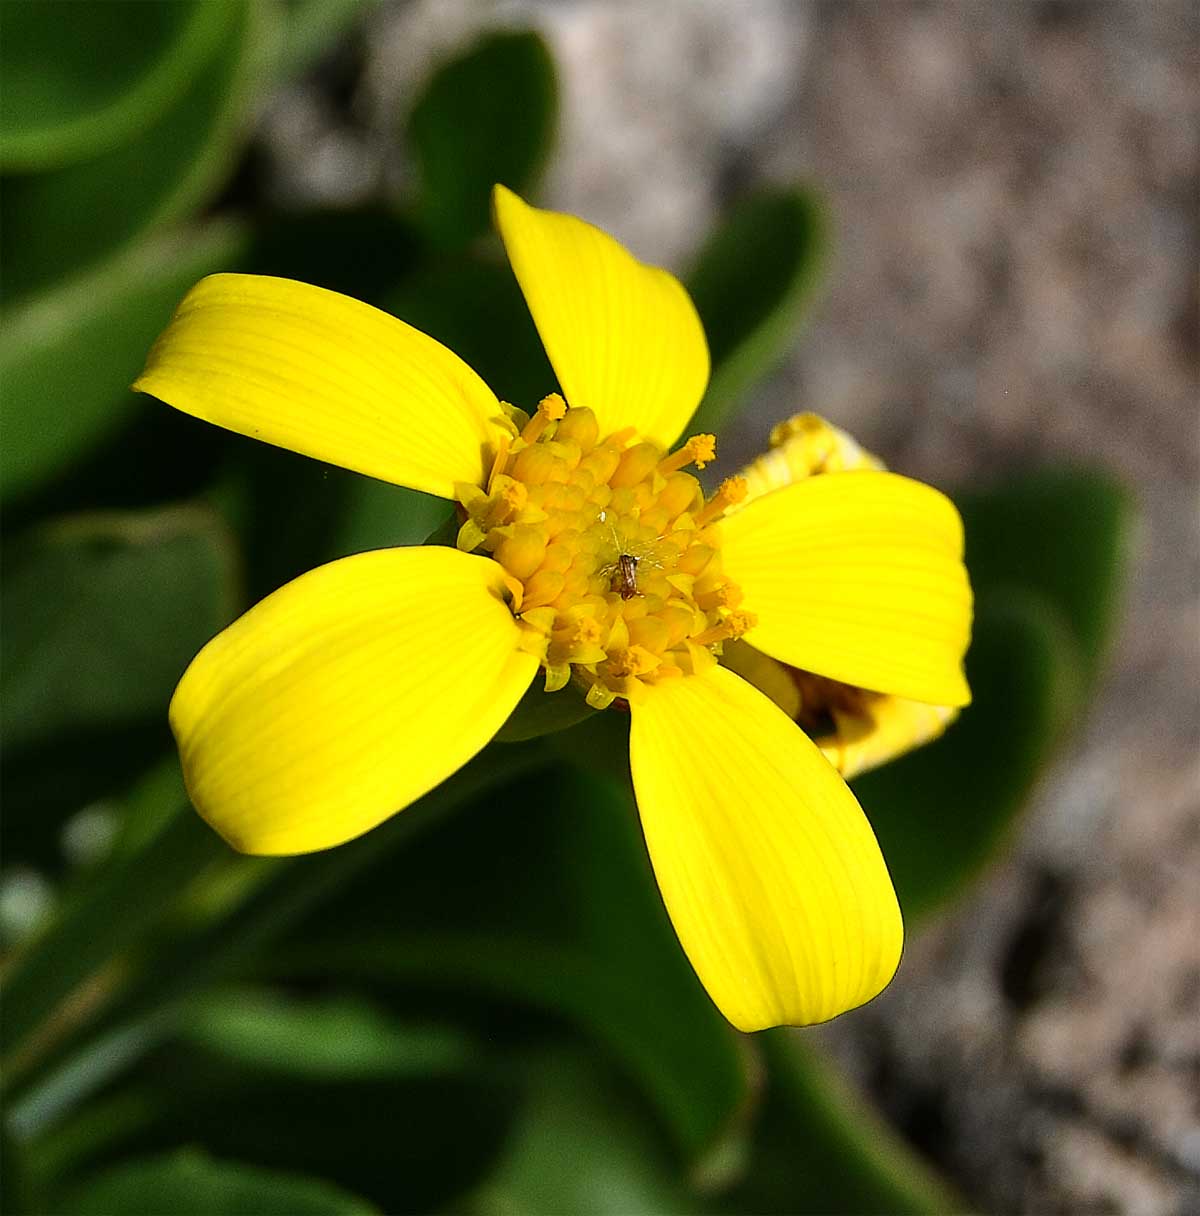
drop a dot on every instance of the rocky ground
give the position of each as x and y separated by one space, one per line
1016 189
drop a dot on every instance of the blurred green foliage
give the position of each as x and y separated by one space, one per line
481 1005
57 221
76 83
751 283
67 356
192 1182
486 117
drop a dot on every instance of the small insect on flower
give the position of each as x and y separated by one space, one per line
627 566
587 551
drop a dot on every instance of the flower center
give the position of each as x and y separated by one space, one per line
613 560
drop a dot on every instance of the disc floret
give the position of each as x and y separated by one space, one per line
611 550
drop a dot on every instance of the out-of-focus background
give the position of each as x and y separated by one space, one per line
1012 283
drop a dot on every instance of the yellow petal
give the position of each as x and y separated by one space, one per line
804 446
857 577
768 675
623 337
869 729
767 865
883 729
327 376
346 695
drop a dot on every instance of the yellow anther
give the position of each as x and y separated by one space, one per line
579 427
587 632
550 409
731 490
635 465
710 637
732 626
536 464
522 552
553 406
600 544
510 499
695 559
634 661
584 642
650 632
544 587
699 450
600 463
560 554
679 494
723 595
655 519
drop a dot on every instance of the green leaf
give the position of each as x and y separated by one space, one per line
68 356
191 1182
376 515
102 614
77 80
818 1147
751 283
942 812
1065 533
541 713
15 1190
331 1037
363 253
1047 555
545 898
145 1009
583 1145
475 308
406 1143
485 117
149 804
61 221
110 915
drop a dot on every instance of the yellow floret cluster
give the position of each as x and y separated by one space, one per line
613 559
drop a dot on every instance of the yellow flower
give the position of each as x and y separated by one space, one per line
857 729
585 549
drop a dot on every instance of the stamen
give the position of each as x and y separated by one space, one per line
731 490
699 449
610 573
635 661
618 439
733 626
550 409
724 595
507 500
499 461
